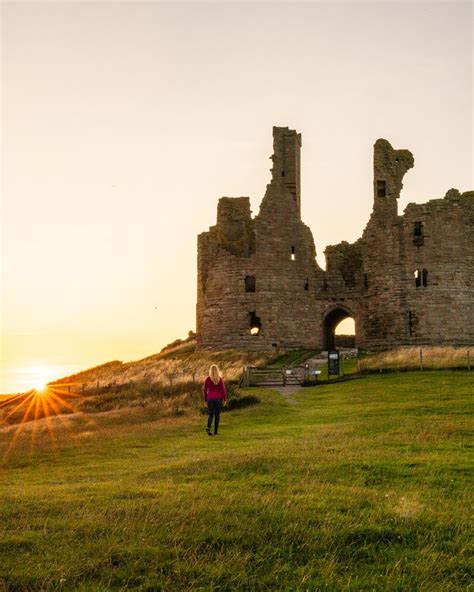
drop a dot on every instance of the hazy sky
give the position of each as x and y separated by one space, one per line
123 123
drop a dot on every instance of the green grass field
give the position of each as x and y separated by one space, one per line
362 485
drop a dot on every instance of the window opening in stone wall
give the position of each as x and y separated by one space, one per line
366 280
424 278
418 235
381 189
421 278
306 284
255 323
282 173
293 255
412 323
250 283
417 275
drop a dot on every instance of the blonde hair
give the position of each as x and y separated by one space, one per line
214 374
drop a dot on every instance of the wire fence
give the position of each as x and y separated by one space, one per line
401 360
417 359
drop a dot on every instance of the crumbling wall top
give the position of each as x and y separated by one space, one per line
390 167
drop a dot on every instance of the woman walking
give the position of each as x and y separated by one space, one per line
214 394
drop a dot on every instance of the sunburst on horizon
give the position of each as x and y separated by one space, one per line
41 403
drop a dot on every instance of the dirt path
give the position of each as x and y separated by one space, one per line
287 391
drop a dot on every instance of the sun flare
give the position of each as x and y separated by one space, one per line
42 403
38 377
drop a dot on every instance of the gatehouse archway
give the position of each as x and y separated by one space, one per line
331 320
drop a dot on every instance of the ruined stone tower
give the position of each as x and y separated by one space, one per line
408 280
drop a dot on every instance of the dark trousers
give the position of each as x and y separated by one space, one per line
214 408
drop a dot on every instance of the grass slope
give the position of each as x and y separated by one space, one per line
178 364
162 385
363 485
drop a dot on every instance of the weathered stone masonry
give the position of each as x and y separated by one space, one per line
408 280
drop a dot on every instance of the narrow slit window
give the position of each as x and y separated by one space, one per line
417 275
293 254
306 284
381 189
282 173
418 235
250 283
424 278
366 280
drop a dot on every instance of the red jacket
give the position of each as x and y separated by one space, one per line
214 391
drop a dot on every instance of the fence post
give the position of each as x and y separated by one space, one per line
421 359
82 388
68 388
284 375
468 361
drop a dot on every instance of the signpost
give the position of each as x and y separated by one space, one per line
333 363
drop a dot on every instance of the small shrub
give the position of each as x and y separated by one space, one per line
240 402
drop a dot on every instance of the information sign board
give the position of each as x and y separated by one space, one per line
333 363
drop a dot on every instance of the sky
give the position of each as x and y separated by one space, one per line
123 123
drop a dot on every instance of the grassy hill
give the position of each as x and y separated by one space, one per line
362 485
162 385
178 363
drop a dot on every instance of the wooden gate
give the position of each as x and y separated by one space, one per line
268 376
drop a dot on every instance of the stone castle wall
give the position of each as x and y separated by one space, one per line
407 280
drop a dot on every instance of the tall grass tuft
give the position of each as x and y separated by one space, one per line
416 358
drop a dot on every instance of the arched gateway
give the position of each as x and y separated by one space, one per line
331 320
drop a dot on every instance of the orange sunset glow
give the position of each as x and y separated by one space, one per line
123 123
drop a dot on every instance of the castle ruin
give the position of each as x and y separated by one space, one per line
408 280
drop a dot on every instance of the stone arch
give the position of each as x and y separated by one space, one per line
331 319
